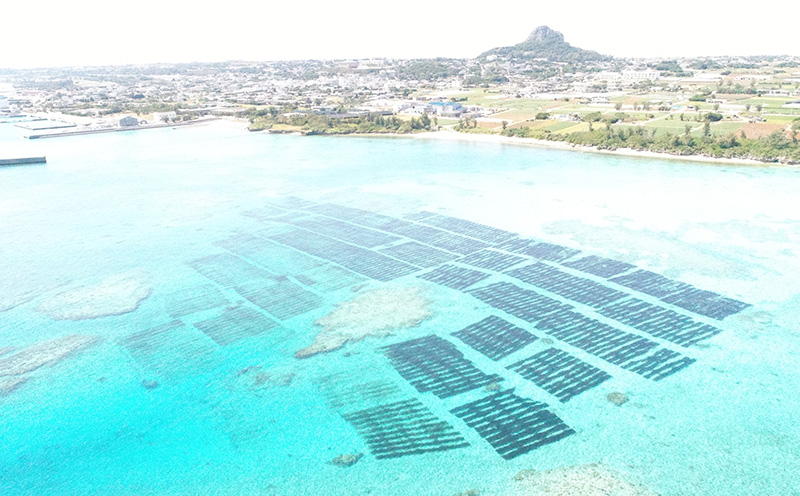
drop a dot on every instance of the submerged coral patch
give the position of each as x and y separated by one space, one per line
11 384
378 312
256 378
115 295
44 353
19 290
579 480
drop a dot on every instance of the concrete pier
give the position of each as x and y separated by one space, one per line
22 161
121 129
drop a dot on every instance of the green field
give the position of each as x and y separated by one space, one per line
576 127
674 126
445 121
559 125
780 119
723 128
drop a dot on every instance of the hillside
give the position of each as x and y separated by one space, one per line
548 44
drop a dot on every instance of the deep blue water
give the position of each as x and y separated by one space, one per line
150 204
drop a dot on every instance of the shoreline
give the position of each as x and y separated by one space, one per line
563 145
447 135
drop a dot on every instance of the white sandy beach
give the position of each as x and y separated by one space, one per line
450 135
563 145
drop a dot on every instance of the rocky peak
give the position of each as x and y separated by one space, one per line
545 34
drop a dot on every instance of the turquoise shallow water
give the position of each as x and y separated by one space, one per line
150 203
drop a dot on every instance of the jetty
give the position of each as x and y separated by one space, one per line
120 129
22 161
42 125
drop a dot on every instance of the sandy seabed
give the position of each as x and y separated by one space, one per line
579 480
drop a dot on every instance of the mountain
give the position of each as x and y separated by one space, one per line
548 44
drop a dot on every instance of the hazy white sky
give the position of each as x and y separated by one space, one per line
82 32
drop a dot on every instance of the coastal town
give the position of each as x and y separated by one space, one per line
542 88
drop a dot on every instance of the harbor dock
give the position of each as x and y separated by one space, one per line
22 161
120 129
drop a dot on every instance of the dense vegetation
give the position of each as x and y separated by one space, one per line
780 146
311 124
429 69
548 44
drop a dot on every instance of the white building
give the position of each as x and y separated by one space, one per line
164 116
639 76
4 106
779 93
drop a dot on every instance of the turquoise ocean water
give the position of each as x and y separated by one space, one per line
240 415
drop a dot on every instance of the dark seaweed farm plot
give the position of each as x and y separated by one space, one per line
345 396
492 260
236 324
706 303
680 294
197 299
559 373
283 299
650 283
660 364
350 214
418 216
525 304
540 250
603 341
417 254
264 213
660 322
511 424
279 259
432 364
468 228
434 237
168 348
563 284
404 428
599 266
359 260
228 270
329 277
359 236
494 337
454 277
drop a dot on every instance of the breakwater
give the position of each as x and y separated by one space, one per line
118 129
22 161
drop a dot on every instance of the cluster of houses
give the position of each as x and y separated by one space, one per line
378 85
158 118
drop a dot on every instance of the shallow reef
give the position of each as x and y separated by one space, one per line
256 378
377 312
346 460
20 290
44 353
115 295
617 398
578 480
11 384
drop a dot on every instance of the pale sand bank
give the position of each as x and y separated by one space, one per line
447 135
562 145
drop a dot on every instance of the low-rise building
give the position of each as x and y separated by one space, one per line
164 116
128 121
633 76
